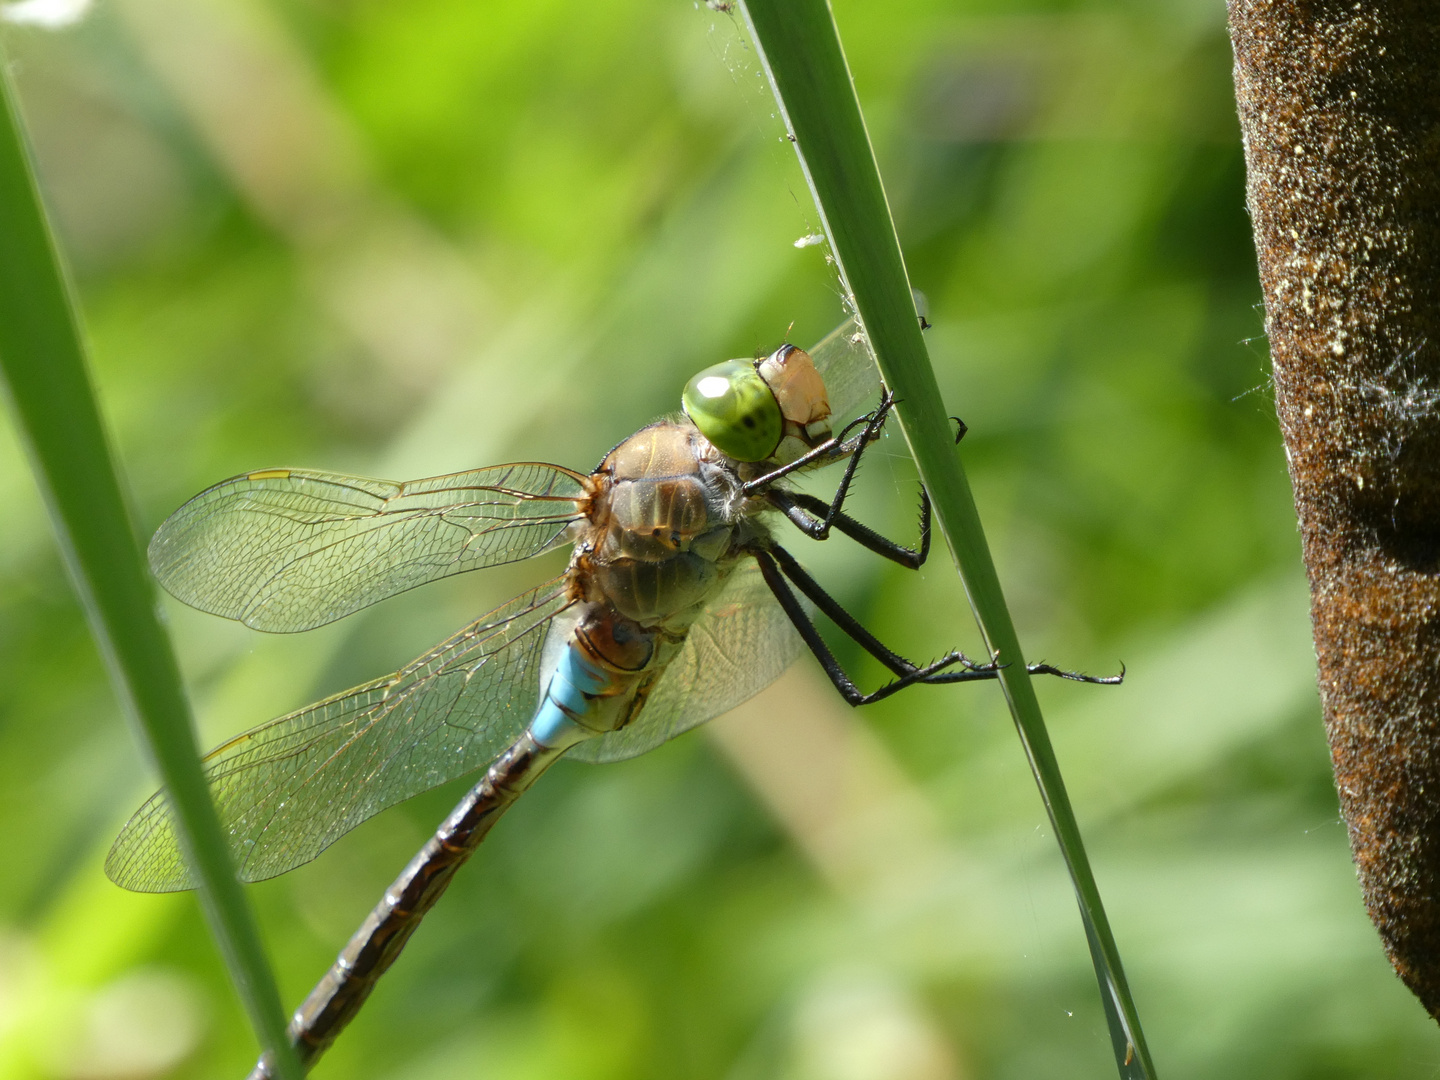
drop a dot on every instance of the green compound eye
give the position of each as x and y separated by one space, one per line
735 410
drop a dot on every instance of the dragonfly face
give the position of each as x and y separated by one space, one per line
736 410
773 409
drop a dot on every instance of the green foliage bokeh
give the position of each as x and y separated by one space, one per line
405 239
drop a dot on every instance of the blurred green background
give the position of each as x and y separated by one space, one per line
411 238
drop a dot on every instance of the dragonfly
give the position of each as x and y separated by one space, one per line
678 604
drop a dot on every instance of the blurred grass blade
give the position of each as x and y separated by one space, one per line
43 362
799 46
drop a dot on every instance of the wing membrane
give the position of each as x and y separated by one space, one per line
288 789
290 549
847 364
739 645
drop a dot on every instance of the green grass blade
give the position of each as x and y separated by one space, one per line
800 48
43 362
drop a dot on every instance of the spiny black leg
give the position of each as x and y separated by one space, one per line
993 671
852 628
1076 676
831 449
792 608
933 674
837 614
828 513
871 433
807 513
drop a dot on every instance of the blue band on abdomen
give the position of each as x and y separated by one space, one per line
565 701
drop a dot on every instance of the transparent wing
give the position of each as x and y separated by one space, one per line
847 365
288 549
288 789
739 645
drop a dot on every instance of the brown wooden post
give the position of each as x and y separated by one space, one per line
1340 110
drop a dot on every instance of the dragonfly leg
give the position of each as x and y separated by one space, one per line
851 626
1077 676
832 449
991 671
875 422
814 517
773 558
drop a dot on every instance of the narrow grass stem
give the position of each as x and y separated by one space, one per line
800 49
42 359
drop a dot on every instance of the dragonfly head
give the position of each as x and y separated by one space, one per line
761 410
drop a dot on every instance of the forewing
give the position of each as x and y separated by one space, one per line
290 788
847 364
289 549
739 645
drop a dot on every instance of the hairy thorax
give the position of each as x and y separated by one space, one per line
662 521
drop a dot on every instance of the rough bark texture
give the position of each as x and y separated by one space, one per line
1340 108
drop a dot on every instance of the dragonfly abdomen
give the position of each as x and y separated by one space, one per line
593 670
374 947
